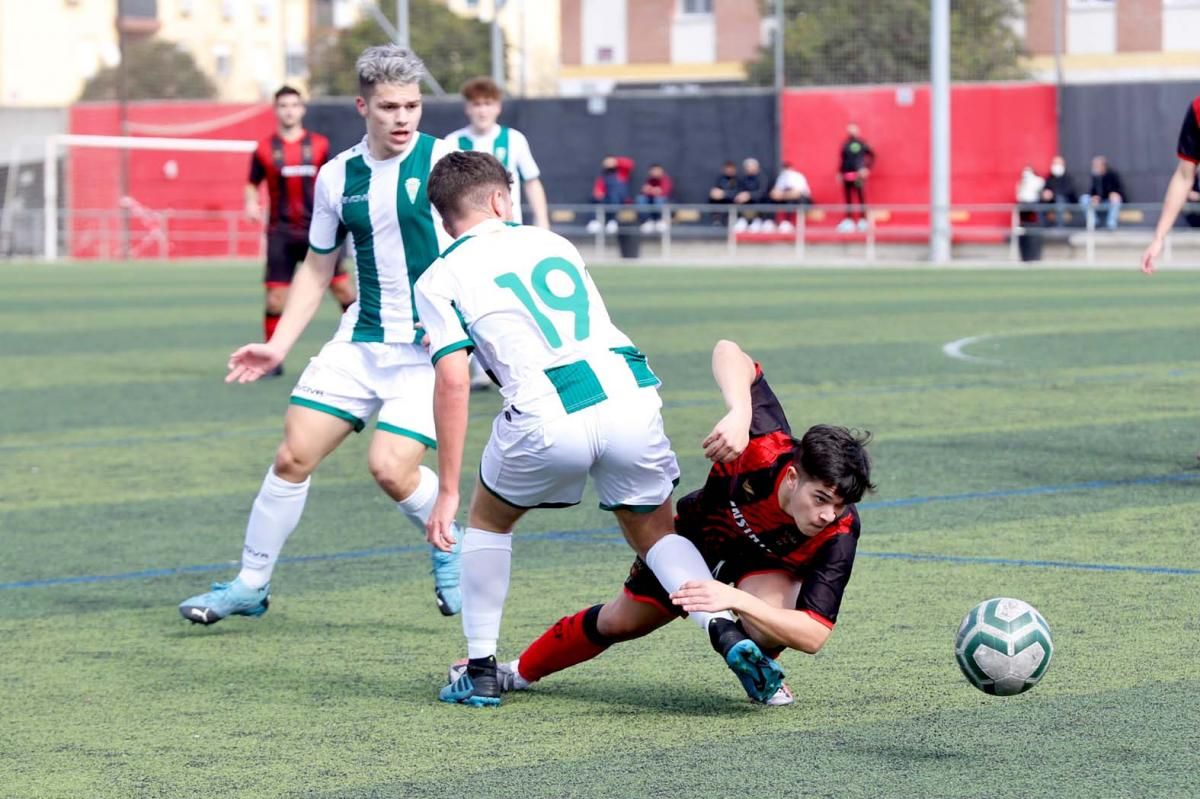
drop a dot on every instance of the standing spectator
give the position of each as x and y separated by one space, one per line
1059 189
656 191
611 188
791 188
751 190
1029 194
1105 191
288 161
724 189
854 167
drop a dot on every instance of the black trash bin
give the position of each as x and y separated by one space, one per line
1030 244
629 239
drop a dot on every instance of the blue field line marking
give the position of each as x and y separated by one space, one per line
610 533
358 554
1041 564
1034 491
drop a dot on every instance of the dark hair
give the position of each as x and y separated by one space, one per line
481 88
838 457
463 180
285 90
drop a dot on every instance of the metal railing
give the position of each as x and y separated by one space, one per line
675 232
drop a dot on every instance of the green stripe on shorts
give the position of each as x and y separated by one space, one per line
404 431
346 416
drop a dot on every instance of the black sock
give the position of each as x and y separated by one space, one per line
725 634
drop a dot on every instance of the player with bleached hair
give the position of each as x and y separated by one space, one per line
377 191
579 401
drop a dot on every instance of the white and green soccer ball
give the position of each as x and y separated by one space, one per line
1003 646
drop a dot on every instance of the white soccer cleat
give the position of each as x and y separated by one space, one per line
781 697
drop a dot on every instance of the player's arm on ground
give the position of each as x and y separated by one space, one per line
449 346
795 629
734 372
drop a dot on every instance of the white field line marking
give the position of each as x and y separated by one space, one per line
954 349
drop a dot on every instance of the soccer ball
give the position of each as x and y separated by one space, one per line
1003 646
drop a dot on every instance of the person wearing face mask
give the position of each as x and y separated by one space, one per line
1059 190
775 521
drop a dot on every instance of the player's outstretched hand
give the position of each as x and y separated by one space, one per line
1149 255
439 530
251 362
706 596
728 440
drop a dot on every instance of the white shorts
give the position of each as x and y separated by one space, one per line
619 442
355 380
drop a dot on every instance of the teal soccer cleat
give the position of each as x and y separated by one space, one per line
447 568
226 599
761 676
476 687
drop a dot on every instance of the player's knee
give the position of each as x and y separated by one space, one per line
396 478
292 465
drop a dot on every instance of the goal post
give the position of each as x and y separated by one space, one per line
56 144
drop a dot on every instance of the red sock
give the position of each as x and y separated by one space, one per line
270 321
567 643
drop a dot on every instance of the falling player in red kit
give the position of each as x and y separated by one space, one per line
288 160
775 522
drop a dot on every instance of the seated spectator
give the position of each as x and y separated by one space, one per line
1029 193
1192 214
611 188
751 190
791 188
1059 189
655 191
724 189
1105 192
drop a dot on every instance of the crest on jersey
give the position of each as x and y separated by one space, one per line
412 186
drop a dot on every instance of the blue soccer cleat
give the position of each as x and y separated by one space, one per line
226 599
760 675
447 569
476 687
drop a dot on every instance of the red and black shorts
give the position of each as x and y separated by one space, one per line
284 253
728 564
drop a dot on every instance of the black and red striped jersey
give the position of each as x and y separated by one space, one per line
290 170
1189 136
736 515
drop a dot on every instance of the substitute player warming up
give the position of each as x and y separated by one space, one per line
775 522
375 364
579 401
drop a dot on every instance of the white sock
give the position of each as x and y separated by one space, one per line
419 504
519 682
675 560
486 566
275 514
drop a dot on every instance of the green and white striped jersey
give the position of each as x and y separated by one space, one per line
397 234
510 147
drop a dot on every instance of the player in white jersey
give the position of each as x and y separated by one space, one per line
579 400
483 103
375 364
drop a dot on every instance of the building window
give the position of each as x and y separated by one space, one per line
222 60
696 6
186 7
264 9
296 60
227 9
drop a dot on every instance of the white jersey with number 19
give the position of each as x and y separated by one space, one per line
522 297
